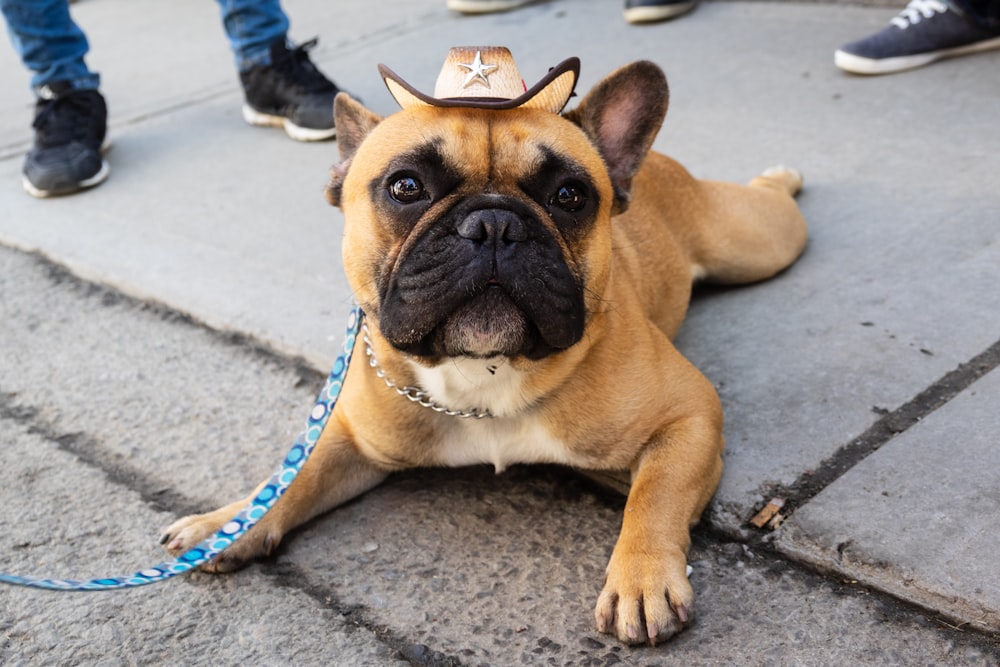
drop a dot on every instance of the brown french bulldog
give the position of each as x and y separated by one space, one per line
511 262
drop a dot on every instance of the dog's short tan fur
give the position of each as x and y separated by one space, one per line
620 398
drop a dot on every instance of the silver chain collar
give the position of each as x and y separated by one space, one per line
416 394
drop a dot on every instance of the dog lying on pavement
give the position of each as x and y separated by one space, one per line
522 272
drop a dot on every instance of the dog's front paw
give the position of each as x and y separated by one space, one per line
185 533
646 597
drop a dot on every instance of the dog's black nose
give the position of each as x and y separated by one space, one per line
493 224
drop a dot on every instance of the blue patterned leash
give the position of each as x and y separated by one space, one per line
249 515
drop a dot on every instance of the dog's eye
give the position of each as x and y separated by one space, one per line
406 190
570 197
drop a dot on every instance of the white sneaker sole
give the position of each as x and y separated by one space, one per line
861 65
654 14
96 179
297 132
484 6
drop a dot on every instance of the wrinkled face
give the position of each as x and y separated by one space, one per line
477 233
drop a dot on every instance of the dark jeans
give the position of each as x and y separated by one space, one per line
984 12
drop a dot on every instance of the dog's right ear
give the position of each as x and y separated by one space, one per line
354 121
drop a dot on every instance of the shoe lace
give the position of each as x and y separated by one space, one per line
63 119
918 10
299 70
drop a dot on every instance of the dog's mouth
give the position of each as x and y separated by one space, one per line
487 325
492 322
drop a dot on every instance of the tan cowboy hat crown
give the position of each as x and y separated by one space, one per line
486 77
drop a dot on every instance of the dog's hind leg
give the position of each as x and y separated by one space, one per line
750 233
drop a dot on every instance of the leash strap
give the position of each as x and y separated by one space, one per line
249 515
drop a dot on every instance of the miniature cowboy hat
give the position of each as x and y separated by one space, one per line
485 77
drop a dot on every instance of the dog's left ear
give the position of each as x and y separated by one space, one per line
622 115
354 121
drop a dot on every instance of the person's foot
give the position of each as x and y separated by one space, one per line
290 93
649 11
70 127
485 6
926 31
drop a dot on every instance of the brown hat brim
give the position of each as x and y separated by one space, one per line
551 93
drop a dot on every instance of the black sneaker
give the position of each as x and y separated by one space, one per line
290 93
648 11
70 126
927 30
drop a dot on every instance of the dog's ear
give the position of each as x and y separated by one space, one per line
622 115
354 121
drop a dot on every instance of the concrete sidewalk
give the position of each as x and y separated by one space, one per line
860 386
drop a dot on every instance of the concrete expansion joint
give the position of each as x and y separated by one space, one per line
782 501
286 574
90 452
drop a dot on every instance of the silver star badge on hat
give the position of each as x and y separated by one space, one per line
477 70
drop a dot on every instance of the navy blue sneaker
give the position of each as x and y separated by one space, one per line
926 31
70 128
290 93
649 11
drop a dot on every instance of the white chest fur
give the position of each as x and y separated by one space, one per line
462 384
515 434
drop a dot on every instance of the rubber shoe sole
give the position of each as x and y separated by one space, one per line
96 179
654 14
485 6
296 132
861 65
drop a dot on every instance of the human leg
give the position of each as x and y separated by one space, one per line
70 119
252 26
49 42
282 87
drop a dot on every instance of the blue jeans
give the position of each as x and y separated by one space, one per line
52 46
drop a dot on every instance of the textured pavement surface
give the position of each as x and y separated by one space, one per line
162 335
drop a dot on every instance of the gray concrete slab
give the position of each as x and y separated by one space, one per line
115 416
129 370
62 518
919 518
523 555
192 240
255 249
227 223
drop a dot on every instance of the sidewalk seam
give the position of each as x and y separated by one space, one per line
891 424
289 575
89 451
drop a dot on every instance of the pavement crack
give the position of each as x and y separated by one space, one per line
891 424
89 451
760 550
289 575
